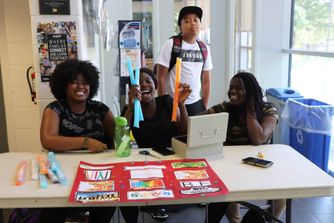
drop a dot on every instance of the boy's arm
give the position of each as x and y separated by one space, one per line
206 87
162 73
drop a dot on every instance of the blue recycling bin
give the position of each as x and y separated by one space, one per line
279 96
310 123
283 93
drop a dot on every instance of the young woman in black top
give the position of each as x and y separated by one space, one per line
157 129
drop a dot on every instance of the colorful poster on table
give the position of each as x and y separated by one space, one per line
140 181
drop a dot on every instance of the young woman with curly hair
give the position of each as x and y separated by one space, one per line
75 121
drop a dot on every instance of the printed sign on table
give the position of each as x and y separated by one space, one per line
140 181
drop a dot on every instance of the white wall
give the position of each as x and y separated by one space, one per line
22 118
163 22
220 45
272 35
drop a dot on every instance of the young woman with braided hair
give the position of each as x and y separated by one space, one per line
251 122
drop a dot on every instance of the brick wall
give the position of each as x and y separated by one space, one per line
22 116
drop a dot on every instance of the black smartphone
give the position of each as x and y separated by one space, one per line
165 151
257 162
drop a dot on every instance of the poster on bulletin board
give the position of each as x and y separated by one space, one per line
57 42
141 181
129 42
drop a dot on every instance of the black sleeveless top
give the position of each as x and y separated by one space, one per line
158 130
89 123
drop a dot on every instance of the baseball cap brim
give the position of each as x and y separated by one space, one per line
190 10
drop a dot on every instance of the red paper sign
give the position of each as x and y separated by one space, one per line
140 181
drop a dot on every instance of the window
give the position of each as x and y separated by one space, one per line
142 11
243 35
312 48
312 52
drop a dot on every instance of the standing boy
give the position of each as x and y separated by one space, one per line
196 61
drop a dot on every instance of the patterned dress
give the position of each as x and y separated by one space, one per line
89 123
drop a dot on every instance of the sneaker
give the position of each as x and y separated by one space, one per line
159 214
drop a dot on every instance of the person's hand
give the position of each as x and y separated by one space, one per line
134 92
251 108
96 146
184 92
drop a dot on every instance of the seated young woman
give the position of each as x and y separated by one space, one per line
251 121
157 129
75 121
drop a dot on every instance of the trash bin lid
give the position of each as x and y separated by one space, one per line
283 93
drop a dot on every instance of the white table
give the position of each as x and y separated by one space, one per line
291 176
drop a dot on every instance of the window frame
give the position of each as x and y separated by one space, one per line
292 51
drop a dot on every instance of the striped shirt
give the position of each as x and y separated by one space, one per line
237 133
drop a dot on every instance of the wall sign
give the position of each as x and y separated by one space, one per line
57 47
129 45
54 7
57 42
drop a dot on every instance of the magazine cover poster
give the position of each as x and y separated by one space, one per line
57 42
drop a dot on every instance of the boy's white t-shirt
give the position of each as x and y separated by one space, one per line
191 67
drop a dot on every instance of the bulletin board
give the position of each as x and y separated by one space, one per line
129 45
141 181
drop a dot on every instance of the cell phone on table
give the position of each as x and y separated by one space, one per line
165 151
257 162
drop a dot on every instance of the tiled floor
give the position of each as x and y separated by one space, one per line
307 210
315 210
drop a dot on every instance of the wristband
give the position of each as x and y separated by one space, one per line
85 143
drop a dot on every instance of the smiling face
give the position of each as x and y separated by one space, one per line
190 25
147 88
236 92
78 90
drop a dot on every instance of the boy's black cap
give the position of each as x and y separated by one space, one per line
188 10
